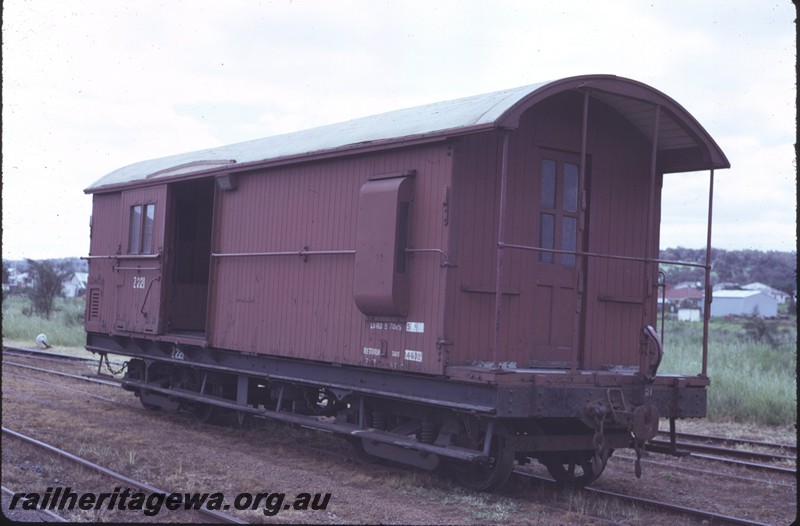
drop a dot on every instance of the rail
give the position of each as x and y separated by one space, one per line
124 256
606 256
217 516
302 253
445 263
305 252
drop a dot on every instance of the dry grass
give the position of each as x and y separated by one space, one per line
178 453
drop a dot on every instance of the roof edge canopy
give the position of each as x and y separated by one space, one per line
683 144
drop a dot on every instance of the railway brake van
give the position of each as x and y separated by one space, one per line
470 284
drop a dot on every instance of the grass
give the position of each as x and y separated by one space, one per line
64 328
753 372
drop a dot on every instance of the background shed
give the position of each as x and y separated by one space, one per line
743 303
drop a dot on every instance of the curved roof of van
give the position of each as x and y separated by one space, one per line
680 136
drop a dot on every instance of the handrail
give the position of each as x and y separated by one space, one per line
125 256
305 252
607 256
300 253
445 263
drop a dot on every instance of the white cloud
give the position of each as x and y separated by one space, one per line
91 86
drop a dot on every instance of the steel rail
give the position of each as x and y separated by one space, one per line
709 515
62 386
48 513
24 352
618 456
110 381
743 441
215 515
48 354
703 514
736 453
752 465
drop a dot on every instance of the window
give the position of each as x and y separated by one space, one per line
558 216
140 238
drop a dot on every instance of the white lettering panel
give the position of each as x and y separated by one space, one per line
413 356
415 326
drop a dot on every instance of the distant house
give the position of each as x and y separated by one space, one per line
779 295
743 303
18 281
683 295
75 285
689 314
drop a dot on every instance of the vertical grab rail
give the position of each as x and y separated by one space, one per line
708 292
662 284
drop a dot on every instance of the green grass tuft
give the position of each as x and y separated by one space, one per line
752 380
64 328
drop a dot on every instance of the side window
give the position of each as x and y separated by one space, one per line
558 215
140 235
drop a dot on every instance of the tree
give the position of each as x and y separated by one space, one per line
48 278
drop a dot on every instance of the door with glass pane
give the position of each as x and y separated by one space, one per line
556 292
138 263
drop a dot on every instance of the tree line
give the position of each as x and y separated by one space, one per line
773 268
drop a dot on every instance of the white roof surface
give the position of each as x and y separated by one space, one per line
677 129
420 121
736 293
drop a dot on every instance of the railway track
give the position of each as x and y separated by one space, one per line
212 516
705 515
711 516
738 457
39 354
685 437
47 515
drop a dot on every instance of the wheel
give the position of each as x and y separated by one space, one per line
145 404
207 413
493 474
361 455
571 469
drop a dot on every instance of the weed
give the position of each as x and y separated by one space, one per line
752 380
22 325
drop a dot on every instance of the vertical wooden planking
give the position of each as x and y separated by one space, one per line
286 305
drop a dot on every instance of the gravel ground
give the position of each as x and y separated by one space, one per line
177 453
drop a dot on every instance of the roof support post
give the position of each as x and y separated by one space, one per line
650 251
501 232
708 296
580 260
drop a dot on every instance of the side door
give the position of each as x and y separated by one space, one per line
557 288
139 264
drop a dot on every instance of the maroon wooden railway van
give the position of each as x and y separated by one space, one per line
388 241
471 283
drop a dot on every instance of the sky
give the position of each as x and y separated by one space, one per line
90 86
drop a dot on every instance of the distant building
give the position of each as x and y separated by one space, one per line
743 303
779 295
683 296
17 281
689 315
75 285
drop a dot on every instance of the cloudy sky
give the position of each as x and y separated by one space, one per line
93 85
